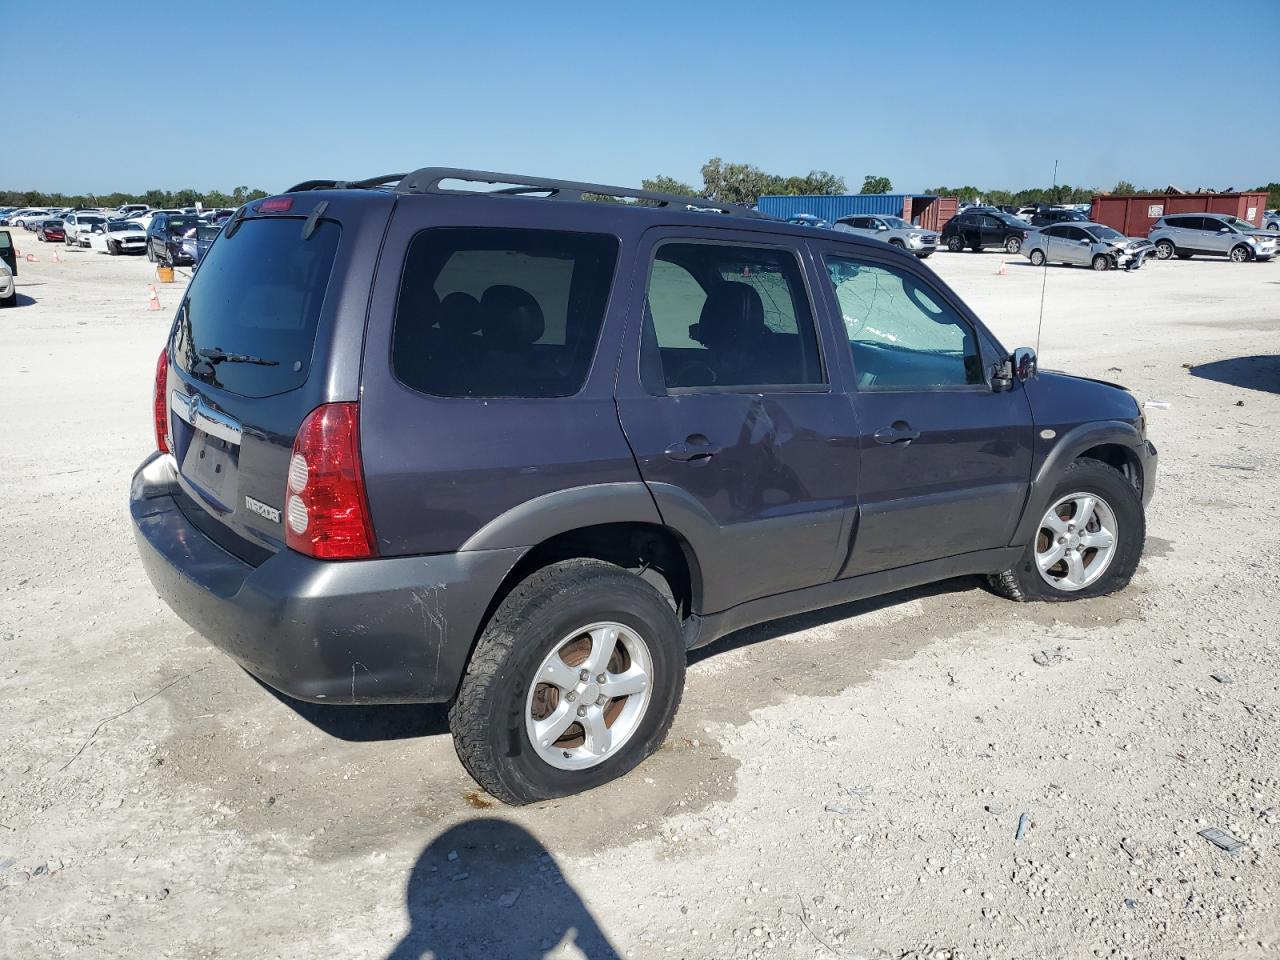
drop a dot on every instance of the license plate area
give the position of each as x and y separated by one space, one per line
207 445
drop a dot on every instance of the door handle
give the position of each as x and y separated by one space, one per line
899 433
693 447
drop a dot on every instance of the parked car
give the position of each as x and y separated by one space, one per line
127 211
1086 244
119 236
22 218
51 231
8 253
1183 235
165 238
521 454
8 288
1271 220
220 215
1047 215
978 231
892 230
144 219
80 225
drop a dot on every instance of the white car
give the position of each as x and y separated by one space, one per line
144 219
8 296
22 218
128 211
119 236
79 226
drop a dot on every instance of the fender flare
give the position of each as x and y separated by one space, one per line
1068 447
533 521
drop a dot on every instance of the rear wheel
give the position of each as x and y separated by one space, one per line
1037 258
1102 262
574 681
1165 250
955 244
1240 253
151 254
1087 544
1013 244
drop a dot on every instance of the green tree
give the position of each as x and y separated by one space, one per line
1124 186
664 184
874 184
1272 191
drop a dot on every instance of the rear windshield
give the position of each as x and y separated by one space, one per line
180 226
491 312
248 323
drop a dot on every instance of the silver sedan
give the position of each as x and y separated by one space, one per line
1088 244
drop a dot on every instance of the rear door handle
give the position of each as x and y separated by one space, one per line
899 433
693 447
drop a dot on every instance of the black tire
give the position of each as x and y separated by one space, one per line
151 254
113 248
895 242
955 244
1101 262
1037 258
487 714
1240 254
1023 582
924 256
1165 250
1013 245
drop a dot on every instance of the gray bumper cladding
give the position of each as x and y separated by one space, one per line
394 630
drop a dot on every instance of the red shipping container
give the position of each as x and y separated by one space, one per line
1135 214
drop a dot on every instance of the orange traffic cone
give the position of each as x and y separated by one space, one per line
1001 272
153 302
55 255
32 258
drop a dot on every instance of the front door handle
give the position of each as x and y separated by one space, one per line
693 447
899 433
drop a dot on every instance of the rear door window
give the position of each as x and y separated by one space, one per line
726 316
248 323
497 312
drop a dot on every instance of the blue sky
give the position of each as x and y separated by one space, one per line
926 93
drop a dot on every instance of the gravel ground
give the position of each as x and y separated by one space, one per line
843 784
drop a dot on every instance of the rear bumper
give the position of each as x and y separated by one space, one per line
395 630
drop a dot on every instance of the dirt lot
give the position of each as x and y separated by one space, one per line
844 784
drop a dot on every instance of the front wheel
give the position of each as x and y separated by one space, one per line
1088 542
1165 250
151 254
113 248
1037 258
574 681
1101 262
955 244
1013 245
1240 253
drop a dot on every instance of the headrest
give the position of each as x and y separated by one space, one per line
511 316
459 314
733 311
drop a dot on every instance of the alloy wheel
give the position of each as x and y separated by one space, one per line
589 696
1076 541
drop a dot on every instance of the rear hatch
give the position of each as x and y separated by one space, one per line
256 346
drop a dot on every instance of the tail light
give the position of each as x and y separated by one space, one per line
326 511
160 401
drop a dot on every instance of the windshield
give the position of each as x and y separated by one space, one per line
259 293
1105 233
117 226
896 223
1238 223
90 220
1010 220
180 226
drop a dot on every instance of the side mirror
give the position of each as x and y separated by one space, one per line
882 227
1025 365
1224 229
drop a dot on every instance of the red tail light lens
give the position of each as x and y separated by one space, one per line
160 401
278 205
326 511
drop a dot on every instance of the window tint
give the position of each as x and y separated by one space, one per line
501 312
1188 223
902 334
1212 224
1075 233
1055 231
258 294
729 316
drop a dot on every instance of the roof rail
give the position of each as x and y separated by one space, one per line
429 179
345 184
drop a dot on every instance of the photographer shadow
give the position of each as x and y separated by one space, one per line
487 888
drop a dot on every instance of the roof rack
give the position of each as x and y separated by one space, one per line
429 180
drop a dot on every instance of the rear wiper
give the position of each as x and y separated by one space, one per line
218 355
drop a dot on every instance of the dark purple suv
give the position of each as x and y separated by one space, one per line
480 438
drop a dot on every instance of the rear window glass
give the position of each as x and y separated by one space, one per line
248 323
501 312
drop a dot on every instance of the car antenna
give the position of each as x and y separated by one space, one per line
1044 277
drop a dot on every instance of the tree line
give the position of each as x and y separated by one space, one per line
157 199
1064 193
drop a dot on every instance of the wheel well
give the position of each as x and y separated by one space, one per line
656 553
1118 456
